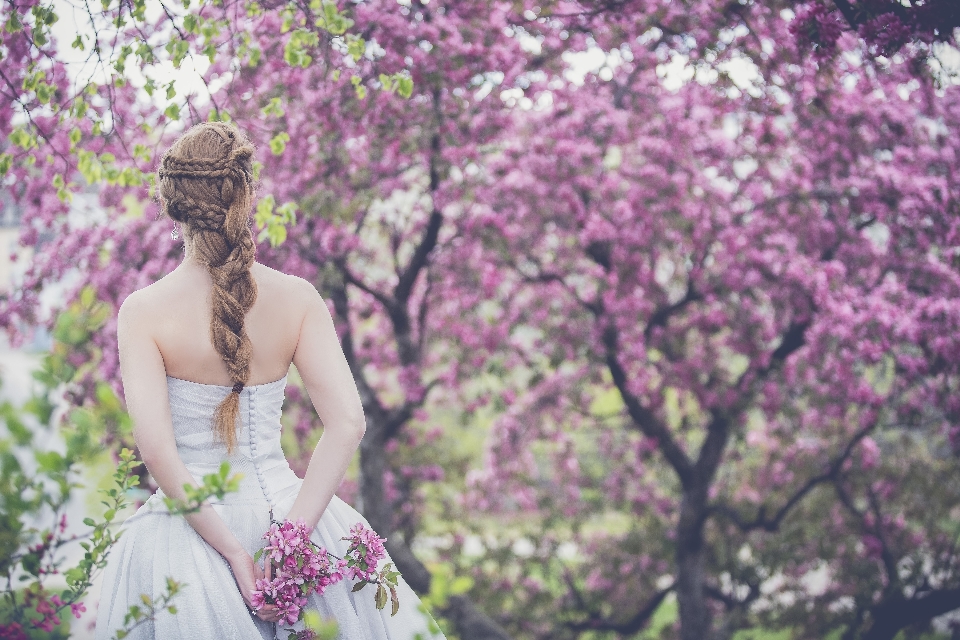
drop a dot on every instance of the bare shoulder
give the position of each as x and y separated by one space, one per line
144 303
137 306
292 291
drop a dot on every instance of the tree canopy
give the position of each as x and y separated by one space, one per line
691 269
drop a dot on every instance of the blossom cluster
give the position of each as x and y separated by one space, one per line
303 567
365 551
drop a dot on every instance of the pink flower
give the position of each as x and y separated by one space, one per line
304 568
77 608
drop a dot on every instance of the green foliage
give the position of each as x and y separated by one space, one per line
137 615
273 220
119 52
295 52
330 19
324 629
357 83
274 108
278 143
40 491
401 83
213 485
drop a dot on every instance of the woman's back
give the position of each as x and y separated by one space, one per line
177 309
204 354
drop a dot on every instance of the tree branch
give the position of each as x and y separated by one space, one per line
642 417
893 614
662 315
628 627
761 521
420 255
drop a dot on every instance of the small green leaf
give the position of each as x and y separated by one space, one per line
405 86
279 143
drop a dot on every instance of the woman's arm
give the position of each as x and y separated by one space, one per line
145 388
329 383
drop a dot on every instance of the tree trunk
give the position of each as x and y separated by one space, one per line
695 619
372 501
471 623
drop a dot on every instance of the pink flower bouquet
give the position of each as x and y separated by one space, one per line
302 568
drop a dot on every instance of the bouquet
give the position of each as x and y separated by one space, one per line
303 567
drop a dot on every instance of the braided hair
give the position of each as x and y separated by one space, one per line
206 184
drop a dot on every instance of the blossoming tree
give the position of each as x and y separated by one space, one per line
729 297
709 312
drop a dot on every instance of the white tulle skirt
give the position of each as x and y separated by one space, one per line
155 546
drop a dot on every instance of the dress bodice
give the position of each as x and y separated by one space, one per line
192 405
258 455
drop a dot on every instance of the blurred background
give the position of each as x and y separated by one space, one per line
654 305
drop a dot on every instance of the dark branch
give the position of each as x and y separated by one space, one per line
642 417
368 396
662 315
348 277
422 253
762 521
630 626
792 340
893 614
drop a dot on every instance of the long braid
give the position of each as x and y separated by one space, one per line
205 183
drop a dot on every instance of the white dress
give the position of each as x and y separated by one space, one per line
155 545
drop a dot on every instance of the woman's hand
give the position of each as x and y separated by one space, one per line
246 572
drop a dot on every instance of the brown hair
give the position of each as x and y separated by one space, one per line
206 183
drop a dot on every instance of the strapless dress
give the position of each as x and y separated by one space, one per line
155 545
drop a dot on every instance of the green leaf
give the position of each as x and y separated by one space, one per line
295 52
405 86
74 575
178 50
279 143
360 585
273 108
355 47
23 139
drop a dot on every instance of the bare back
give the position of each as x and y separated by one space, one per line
179 321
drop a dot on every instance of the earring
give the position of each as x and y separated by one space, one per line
175 232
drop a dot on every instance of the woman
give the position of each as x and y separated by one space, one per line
204 355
